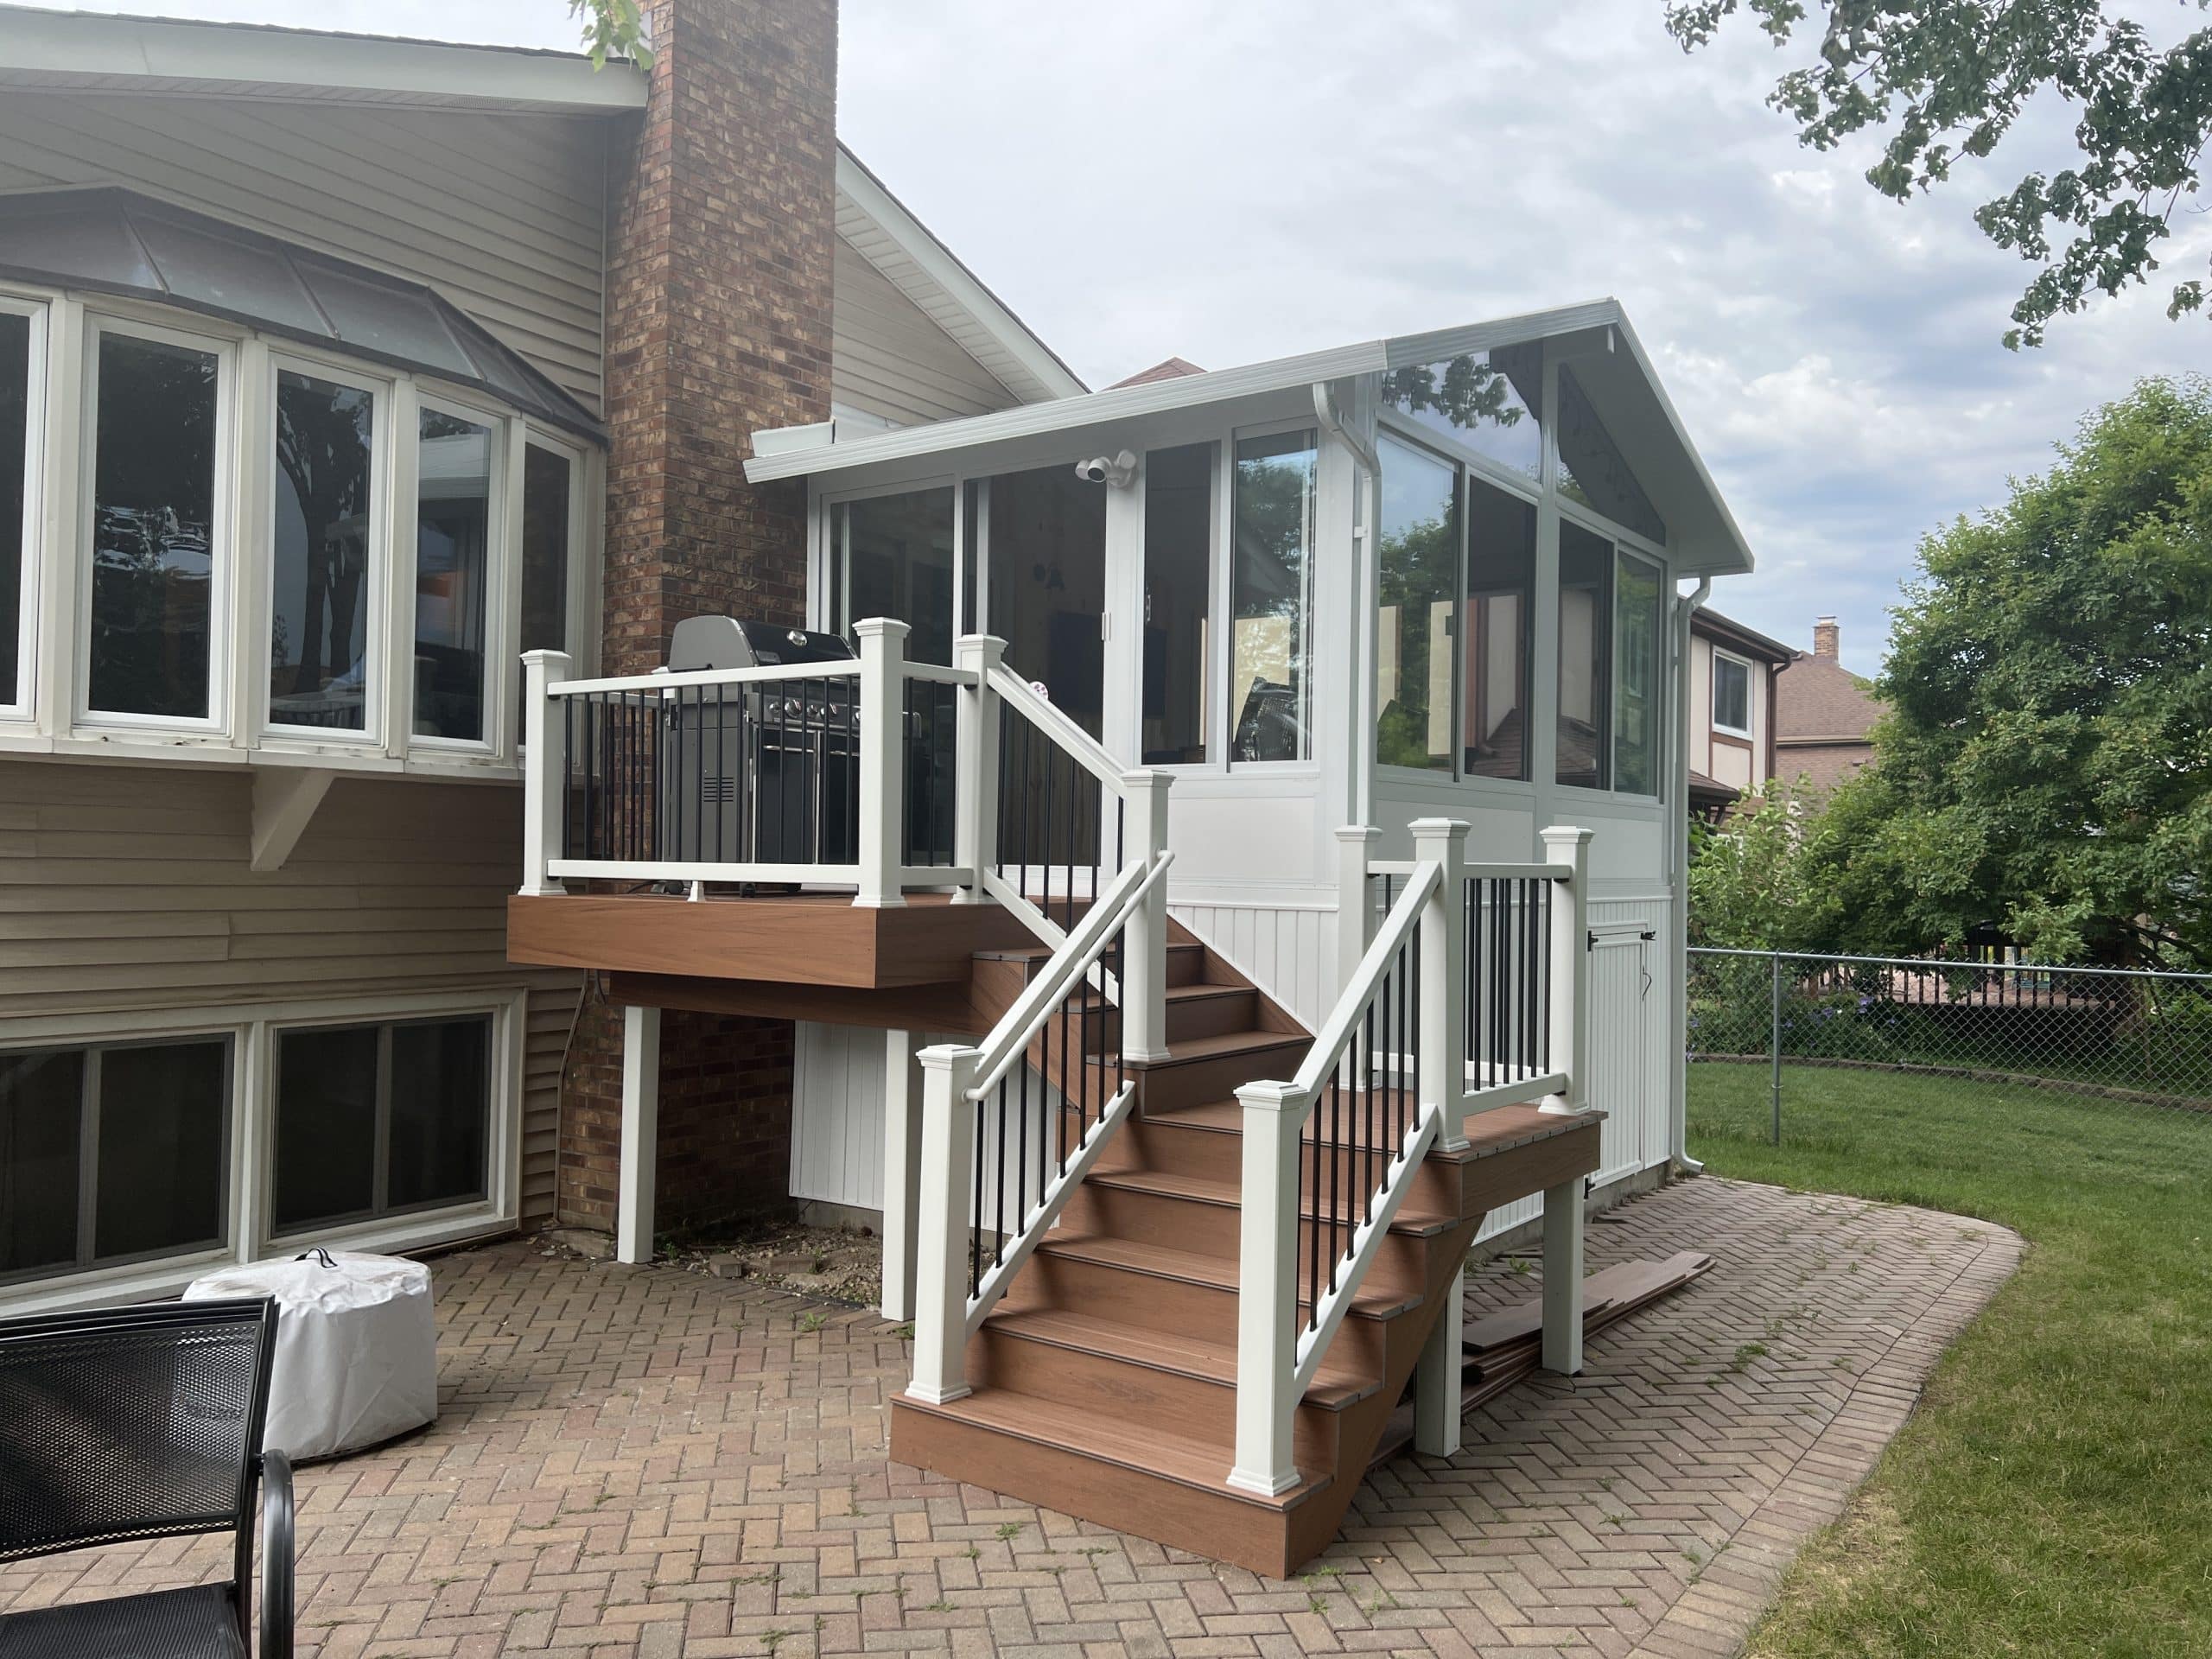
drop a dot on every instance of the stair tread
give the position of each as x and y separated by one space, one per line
1195 1267
1502 1129
1150 1449
1409 1220
1192 1049
1334 1387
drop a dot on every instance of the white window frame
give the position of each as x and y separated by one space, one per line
23 705
379 653
825 586
1713 693
502 590
223 539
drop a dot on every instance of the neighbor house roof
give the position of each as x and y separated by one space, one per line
1734 636
1174 368
1817 700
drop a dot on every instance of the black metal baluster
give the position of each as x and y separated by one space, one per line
975 1211
998 1253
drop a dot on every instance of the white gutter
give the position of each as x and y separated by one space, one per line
1678 884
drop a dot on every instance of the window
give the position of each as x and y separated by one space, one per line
548 493
892 555
1486 400
1638 628
1046 585
322 557
1271 598
1177 601
1593 471
452 571
1501 600
375 1120
154 536
1732 694
1419 574
1585 579
15 480
112 1153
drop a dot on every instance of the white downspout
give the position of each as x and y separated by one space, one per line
1678 877
1363 656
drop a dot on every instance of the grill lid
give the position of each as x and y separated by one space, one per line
707 642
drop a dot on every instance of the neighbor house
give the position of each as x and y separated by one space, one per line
1824 714
1731 712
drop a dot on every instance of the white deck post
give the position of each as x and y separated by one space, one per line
1443 1084
975 769
1563 1277
1267 1282
1144 958
941 1232
1569 1026
1355 915
633 1223
545 778
902 1171
883 757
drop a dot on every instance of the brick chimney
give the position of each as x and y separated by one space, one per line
721 220
1827 640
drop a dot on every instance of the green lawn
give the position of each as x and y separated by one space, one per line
2054 1493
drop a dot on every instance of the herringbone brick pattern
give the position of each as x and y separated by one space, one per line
646 1462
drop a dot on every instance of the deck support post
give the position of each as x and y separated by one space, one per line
1563 1277
1355 915
975 764
633 1222
1439 1378
941 1241
545 775
1442 1080
1144 957
902 1171
1267 1283
1568 1031
882 848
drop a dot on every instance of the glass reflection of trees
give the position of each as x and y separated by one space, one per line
1486 400
318 622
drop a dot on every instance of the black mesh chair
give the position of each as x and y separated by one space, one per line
145 1422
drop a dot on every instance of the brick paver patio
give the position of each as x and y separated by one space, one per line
646 1462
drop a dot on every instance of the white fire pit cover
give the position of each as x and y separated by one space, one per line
357 1347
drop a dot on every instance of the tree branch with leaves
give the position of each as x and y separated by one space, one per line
614 28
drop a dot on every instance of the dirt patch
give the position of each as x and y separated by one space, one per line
842 1264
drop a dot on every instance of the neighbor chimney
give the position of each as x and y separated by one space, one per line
1825 642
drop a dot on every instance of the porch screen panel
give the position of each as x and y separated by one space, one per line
892 555
1416 628
1585 604
321 559
1500 604
1177 601
1489 401
1046 585
1271 598
1637 632
14 461
153 528
453 569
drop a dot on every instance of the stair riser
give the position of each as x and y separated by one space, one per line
1401 1264
1159 1143
1174 1306
1218 1077
1137 1394
1187 1019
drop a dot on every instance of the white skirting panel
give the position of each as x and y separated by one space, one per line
1288 952
837 1115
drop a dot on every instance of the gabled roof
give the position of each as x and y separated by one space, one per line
1172 368
1817 700
1709 624
1609 364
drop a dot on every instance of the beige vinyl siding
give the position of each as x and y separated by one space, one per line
502 215
889 359
128 888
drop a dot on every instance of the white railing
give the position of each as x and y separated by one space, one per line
1438 1022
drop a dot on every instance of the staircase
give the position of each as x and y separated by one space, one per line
1103 1384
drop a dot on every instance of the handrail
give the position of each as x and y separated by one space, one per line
663 680
1337 1030
1054 721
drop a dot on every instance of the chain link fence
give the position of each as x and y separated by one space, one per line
1785 1046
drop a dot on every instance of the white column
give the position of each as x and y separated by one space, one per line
545 773
975 770
942 1227
883 756
1443 1079
902 1171
1267 1280
633 1226
1563 1277
1355 916
1569 1026
1144 959
1439 1378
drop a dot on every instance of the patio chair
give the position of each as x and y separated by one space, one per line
145 1422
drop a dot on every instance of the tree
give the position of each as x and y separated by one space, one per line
613 28
1940 80
1753 884
2045 765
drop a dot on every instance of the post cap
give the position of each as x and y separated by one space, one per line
1450 829
890 627
550 658
1272 1096
1565 835
943 1057
1349 833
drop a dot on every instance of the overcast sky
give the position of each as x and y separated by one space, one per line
1232 184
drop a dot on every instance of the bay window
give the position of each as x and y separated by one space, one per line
16 360
1271 597
453 568
156 542
323 562
548 530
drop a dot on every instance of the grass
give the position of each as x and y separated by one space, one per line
2053 1495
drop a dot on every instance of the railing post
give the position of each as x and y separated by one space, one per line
976 767
1443 1083
941 1260
1569 1030
1144 957
902 1171
637 1171
1355 915
1267 1289
545 773
882 758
